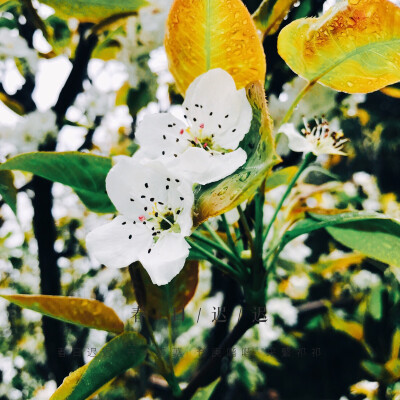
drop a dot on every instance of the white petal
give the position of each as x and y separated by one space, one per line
118 243
213 104
161 135
166 258
231 138
133 186
297 142
199 166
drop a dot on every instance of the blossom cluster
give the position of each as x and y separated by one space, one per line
153 190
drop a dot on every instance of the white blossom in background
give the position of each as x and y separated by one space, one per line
144 34
320 140
367 388
204 148
13 46
268 332
94 102
31 130
152 22
155 210
298 285
296 251
283 308
370 187
365 279
318 101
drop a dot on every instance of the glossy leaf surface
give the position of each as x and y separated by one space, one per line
203 34
354 47
83 312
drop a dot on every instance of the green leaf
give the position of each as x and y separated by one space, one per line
161 301
375 303
376 370
317 221
127 350
84 312
372 234
378 239
218 197
85 173
205 393
93 10
270 14
7 190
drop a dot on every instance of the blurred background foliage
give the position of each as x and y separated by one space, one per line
333 329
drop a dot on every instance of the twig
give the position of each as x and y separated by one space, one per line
212 368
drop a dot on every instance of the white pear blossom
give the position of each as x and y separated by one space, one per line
319 140
31 130
204 148
155 216
365 279
284 308
14 46
268 332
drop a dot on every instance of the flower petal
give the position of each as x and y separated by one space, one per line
161 135
200 166
297 142
118 243
231 138
166 259
134 186
214 105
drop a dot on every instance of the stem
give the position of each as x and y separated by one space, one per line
235 259
215 236
246 228
297 100
210 257
259 216
309 158
170 341
229 237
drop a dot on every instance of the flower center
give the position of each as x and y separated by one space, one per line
206 142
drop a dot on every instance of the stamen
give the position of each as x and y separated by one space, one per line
202 126
142 218
182 131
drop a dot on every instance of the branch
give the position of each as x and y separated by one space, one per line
211 370
74 84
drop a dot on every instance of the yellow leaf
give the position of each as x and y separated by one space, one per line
93 10
393 366
354 47
203 34
188 360
391 91
352 328
69 383
266 358
270 14
84 312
